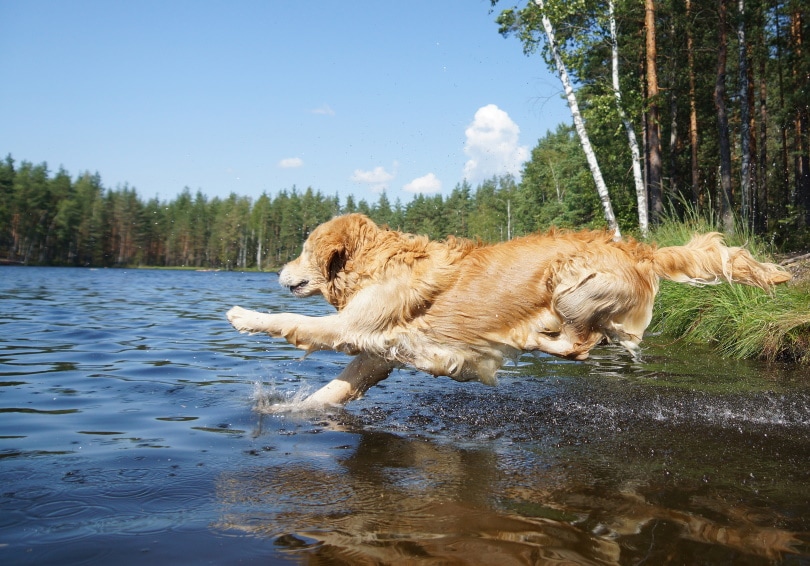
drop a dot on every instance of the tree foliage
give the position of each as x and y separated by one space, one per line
56 220
697 106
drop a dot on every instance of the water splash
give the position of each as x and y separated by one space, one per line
268 399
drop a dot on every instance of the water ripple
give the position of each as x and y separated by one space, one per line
128 406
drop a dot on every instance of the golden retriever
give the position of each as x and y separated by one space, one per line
458 307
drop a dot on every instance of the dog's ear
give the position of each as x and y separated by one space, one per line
336 263
339 240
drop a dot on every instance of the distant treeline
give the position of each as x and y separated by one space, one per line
54 219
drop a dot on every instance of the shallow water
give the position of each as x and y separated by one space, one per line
136 425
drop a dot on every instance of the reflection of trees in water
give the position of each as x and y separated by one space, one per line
392 499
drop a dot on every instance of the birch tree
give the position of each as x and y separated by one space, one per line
725 199
745 118
579 122
641 191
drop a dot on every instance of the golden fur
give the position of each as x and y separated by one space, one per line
458 307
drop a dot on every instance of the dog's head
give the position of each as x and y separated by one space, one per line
321 267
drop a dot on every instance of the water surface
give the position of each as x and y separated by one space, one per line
136 425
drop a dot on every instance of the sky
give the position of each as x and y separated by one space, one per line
246 97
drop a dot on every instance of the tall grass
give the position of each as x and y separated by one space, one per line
743 322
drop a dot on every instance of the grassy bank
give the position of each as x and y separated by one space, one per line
743 322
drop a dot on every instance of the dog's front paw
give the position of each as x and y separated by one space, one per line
242 319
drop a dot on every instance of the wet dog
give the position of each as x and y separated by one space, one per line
458 308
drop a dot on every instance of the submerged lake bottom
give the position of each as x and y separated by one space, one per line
136 425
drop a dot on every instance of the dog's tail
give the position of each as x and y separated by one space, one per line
705 260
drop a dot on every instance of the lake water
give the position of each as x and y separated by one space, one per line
137 426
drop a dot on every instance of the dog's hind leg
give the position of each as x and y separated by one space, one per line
363 372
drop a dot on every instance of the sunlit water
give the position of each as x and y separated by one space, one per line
136 425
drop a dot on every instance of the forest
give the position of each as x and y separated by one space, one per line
677 105
52 219
686 101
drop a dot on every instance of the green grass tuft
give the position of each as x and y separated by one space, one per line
743 322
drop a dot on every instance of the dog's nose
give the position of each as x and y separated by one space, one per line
285 279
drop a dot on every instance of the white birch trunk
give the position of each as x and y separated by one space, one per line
745 120
641 191
579 124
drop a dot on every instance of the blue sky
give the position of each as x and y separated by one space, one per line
349 97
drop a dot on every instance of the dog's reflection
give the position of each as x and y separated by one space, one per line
392 500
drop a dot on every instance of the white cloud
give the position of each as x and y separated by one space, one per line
377 179
426 184
492 145
291 163
324 110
